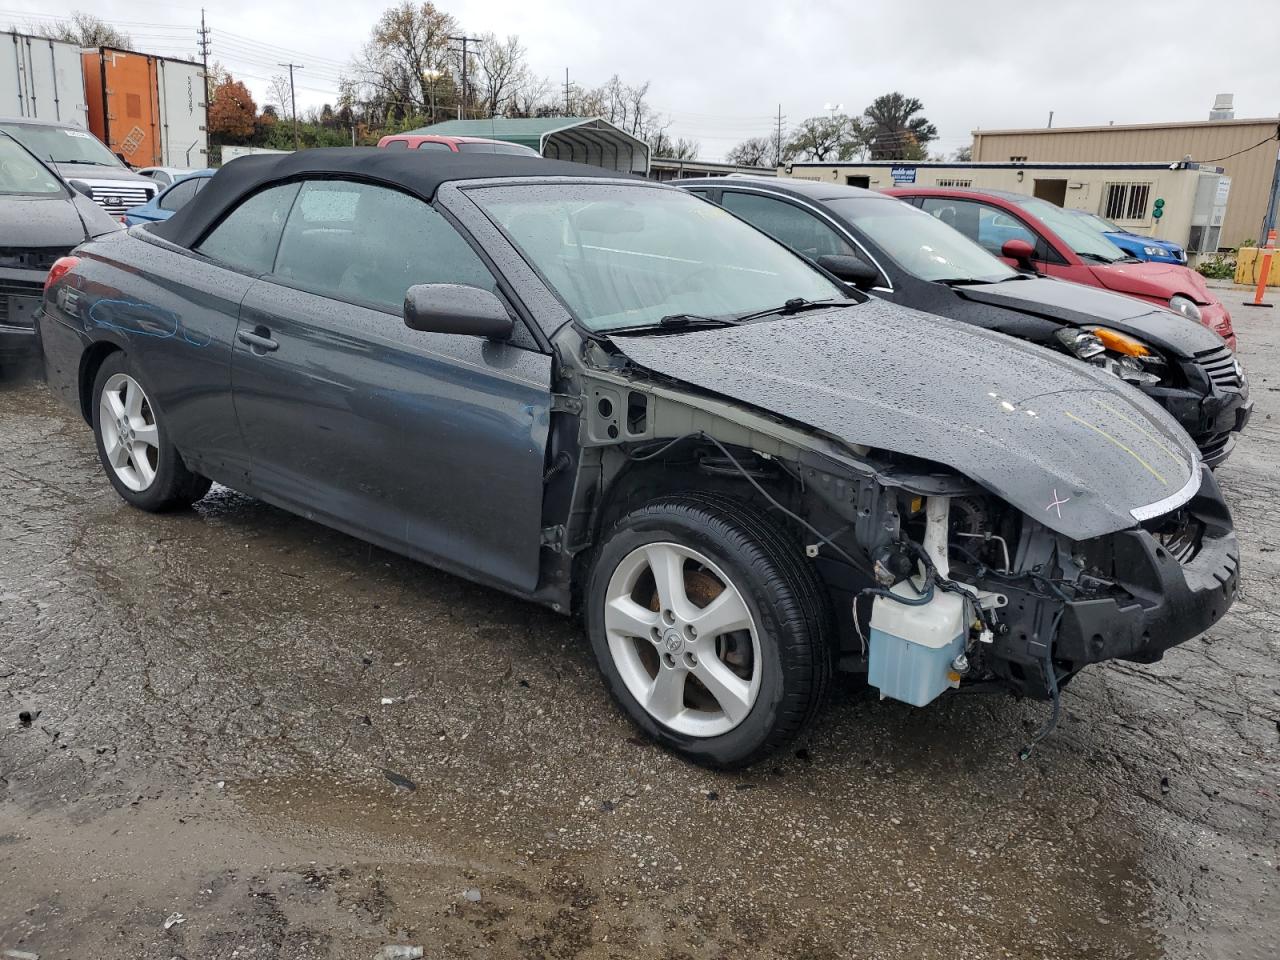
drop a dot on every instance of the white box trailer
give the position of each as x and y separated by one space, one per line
180 95
41 78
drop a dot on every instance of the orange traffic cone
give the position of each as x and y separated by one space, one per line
1264 272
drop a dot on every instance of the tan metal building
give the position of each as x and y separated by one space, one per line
1245 149
1196 199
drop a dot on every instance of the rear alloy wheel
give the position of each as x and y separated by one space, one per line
710 628
130 438
139 459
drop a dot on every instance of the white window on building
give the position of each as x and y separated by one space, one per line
951 182
1126 201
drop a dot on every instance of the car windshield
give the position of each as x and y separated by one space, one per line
922 245
1097 222
21 174
627 256
1080 237
61 144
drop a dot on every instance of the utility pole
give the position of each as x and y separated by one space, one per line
462 104
1050 119
203 34
566 91
777 143
293 98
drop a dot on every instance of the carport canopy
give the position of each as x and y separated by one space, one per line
591 140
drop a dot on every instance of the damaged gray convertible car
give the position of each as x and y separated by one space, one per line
618 400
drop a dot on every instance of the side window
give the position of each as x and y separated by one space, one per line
990 226
396 145
704 194
176 196
249 235
367 244
799 230
434 145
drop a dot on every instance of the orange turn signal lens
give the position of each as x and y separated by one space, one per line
1119 343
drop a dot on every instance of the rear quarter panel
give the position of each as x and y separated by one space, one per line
175 316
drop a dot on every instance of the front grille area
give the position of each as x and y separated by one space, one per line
21 288
31 258
1220 366
116 200
1179 533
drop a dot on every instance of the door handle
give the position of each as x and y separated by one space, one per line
256 340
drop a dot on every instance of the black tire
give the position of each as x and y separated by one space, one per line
174 485
783 593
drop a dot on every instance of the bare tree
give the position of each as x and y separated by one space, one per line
279 95
398 70
536 97
753 152
86 30
661 145
499 75
823 138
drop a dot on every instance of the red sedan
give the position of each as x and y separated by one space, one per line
434 141
1034 234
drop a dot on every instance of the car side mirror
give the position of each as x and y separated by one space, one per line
455 308
1020 252
850 269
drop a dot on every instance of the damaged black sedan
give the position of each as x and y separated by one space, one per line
612 398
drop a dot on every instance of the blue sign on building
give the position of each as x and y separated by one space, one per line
903 174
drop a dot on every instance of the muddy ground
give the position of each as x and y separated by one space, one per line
306 747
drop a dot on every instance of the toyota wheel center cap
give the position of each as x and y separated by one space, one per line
672 640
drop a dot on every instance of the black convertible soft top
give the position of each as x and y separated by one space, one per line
419 173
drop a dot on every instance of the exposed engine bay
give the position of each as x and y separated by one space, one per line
935 583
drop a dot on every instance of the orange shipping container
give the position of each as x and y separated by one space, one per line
121 90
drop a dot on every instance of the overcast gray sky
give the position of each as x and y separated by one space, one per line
720 72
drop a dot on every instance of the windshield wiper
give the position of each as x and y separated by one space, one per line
91 163
685 320
678 321
1095 257
795 305
962 281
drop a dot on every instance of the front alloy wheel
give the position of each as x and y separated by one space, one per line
682 639
710 627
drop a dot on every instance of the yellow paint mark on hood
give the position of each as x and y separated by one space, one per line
1098 430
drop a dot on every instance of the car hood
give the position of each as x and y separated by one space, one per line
1159 281
41 222
1144 240
1064 443
1074 304
92 171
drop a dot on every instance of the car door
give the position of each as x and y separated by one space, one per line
433 444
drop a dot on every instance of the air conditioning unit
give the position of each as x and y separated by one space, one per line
1208 211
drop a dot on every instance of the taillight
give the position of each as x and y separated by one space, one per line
60 268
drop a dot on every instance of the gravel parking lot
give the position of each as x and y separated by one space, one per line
235 733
